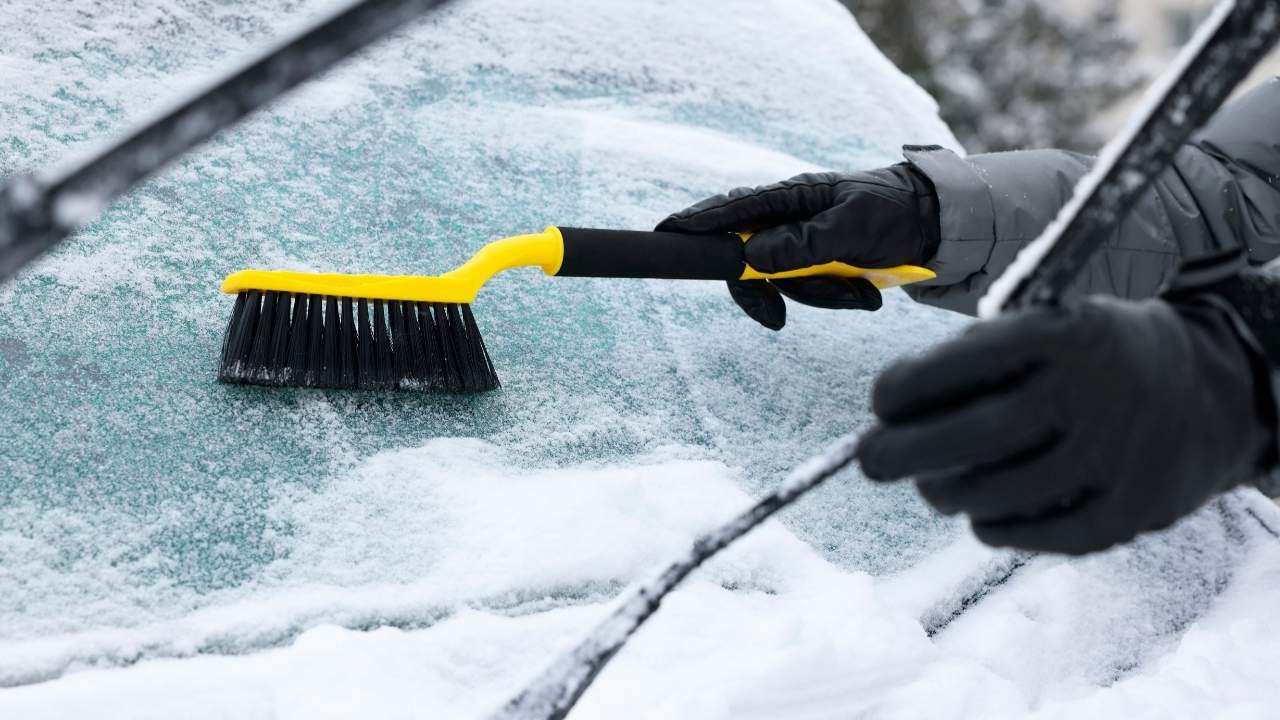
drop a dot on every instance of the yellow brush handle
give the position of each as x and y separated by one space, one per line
461 285
882 278
548 251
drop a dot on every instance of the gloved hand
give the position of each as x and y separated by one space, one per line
881 218
1072 430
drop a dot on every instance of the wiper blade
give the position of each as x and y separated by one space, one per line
40 209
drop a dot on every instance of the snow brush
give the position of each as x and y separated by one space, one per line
408 332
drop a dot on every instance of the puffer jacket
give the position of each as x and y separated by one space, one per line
1221 193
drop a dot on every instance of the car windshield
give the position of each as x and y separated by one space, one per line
154 519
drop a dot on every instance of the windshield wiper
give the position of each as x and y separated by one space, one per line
40 209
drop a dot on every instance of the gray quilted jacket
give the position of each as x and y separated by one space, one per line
1222 192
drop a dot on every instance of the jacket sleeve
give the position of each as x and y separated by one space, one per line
1221 193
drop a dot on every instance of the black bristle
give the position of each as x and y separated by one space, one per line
229 338
314 373
315 341
347 347
260 354
486 374
332 375
233 340
462 348
364 346
299 341
278 361
417 377
431 348
451 381
381 376
399 343
240 335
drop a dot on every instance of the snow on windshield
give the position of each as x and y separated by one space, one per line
250 552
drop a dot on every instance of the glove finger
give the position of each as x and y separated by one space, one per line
786 246
831 293
761 301
988 357
866 234
1075 528
1019 487
750 209
987 430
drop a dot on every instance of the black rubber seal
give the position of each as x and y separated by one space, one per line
630 254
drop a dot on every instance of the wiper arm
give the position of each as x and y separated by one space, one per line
40 209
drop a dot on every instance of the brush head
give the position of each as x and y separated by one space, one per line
281 339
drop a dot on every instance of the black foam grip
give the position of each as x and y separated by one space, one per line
630 254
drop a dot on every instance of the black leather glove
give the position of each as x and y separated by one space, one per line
881 218
1072 430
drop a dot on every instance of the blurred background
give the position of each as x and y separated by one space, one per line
1012 74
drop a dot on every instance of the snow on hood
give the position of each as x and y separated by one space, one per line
499 570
